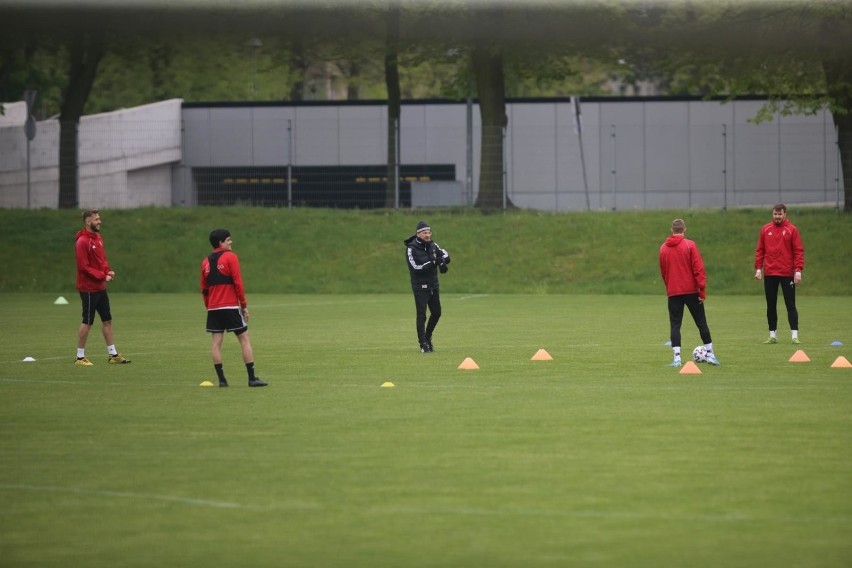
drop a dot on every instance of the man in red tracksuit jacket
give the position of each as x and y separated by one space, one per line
779 260
93 273
683 273
225 299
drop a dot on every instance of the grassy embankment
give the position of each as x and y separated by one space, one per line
331 251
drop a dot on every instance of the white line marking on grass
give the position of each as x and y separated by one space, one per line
125 494
334 302
318 383
472 297
459 511
39 381
71 358
606 515
154 497
123 383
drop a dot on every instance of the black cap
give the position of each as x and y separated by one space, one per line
422 226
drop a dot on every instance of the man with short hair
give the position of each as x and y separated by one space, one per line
779 260
425 259
93 273
225 299
682 269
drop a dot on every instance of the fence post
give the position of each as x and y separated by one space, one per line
397 153
469 143
290 163
578 128
505 172
837 167
780 159
614 156
555 158
724 167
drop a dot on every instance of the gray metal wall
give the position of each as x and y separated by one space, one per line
637 153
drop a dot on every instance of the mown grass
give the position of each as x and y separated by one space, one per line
309 251
602 457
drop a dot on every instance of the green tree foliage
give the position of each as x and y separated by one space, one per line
232 68
798 54
38 65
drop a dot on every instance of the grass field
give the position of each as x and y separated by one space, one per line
602 457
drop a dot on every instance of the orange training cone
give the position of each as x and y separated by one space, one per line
799 357
468 363
690 368
841 362
541 355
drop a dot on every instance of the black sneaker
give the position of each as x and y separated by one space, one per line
425 347
429 343
256 382
223 383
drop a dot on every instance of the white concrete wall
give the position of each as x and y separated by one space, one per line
126 157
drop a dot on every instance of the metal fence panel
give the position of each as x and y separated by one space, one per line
622 154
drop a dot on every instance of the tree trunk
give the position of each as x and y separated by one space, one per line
68 164
160 56
6 61
844 134
353 88
491 90
300 67
13 60
85 55
392 83
838 78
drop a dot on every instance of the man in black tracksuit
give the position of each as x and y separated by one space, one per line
425 259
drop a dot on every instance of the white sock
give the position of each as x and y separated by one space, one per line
709 347
111 350
772 334
676 352
81 352
795 333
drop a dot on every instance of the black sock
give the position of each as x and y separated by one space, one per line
219 372
250 369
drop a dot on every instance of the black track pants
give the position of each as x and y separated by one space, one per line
770 286
696 309
422 300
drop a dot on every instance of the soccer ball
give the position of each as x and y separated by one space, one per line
699 354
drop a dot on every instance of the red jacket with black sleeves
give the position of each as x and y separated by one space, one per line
224 290
779 250
92 265
682 267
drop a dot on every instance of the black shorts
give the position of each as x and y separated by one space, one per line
228 319
95 302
